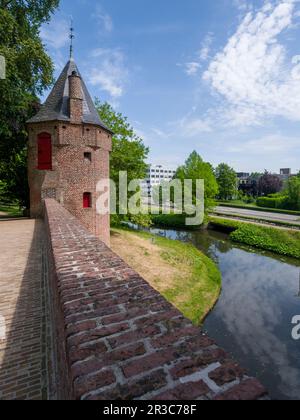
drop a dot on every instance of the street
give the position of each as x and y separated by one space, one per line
260 215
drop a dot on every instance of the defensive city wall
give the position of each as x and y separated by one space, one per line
115 337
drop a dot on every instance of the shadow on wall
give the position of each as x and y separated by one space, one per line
26 349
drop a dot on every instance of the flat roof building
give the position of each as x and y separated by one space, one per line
156 175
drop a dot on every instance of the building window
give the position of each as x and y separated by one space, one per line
88 157
87 200
44 152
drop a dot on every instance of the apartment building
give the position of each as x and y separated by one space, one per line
156 175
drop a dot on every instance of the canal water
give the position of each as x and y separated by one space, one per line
253 317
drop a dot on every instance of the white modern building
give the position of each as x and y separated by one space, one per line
156 175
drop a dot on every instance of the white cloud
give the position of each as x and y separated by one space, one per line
296 59
267 145
241 5
161 133
104 19
253 73
108 71
187 127
57 35
192 127
206 46
192 68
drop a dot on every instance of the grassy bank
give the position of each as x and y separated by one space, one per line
261 220
283 242
172 221
181 273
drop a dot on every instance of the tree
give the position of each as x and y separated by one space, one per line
35 12
29 71
227 181
269 184
293 192
254 180
129 152
195 168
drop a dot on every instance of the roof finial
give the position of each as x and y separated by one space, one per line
72 36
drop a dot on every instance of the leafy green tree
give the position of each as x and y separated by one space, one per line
195 168
293 192
129 152
29 71
227 182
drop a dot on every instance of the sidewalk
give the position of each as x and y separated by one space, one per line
23 367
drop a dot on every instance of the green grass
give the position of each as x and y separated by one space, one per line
11 210
175 221
195 293
225 225
279 241
201 296
238 205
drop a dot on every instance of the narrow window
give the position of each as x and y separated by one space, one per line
88 157
44 152
87 200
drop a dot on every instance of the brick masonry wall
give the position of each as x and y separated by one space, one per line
118 338
71 174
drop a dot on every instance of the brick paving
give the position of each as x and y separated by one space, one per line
23 366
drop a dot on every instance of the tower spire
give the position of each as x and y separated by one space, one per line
72 36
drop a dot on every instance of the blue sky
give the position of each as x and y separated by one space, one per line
221 77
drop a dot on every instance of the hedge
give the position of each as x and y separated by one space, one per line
279 241
273 202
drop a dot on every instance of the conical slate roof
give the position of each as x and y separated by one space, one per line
56 107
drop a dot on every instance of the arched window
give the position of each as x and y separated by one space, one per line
87 200
44 152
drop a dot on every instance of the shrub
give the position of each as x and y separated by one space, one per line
273 202
248 199
176 221
142 220
280 241
224 225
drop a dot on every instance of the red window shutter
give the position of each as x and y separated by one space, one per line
44 152
87 200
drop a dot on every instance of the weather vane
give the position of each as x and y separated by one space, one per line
72 36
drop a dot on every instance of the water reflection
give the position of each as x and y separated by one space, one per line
252 319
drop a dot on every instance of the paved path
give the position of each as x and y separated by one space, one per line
262 215
23 367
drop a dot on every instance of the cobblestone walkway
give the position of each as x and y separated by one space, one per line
23 367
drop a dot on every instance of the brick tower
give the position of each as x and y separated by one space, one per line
68 152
